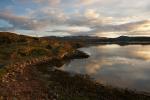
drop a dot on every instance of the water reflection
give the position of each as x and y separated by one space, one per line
127 66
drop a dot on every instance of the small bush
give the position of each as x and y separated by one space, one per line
38 52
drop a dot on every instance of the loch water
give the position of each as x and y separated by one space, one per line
114 65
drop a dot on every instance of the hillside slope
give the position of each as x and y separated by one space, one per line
15 47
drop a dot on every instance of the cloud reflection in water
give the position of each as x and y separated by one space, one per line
127 66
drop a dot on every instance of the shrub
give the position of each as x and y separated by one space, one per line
38 52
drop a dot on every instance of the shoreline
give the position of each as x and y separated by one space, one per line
46 73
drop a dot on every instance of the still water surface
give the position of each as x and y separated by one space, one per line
118 66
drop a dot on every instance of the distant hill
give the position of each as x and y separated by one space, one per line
76 38
140 39
122 40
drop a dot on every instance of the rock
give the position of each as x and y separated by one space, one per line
77 55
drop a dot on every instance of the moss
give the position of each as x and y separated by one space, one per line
38 52
2 72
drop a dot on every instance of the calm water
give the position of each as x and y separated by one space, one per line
119 66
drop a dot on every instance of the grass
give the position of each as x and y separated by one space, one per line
18 47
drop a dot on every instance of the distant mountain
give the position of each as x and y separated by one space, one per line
126 38
75 38
104 40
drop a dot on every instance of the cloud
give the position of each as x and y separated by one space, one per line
22 22
91 14
40 2
100 16
49 2
91 19
127 28
87 2
72 29
6 28
100 28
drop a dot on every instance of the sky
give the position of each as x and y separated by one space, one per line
104 18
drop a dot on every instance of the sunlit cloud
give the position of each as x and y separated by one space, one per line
87 2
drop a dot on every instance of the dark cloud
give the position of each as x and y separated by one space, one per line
127 27
6 28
